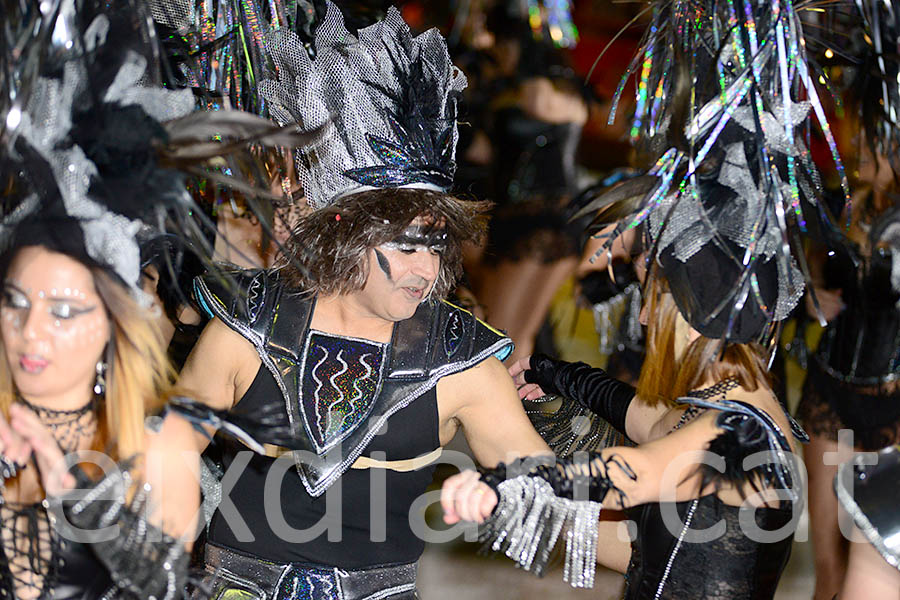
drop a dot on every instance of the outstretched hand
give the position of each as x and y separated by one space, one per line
464 497
527 391
40 442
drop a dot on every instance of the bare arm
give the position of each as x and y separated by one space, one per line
173 472
483 401
869 576
664 470
219 370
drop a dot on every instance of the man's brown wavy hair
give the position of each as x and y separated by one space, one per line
328 249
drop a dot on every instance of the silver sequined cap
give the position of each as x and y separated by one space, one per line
388 99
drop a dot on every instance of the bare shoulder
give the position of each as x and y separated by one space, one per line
480 380
220 367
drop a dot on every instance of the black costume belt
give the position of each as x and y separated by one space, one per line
233 576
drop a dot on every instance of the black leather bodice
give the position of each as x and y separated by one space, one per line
438 340
731 567
862 345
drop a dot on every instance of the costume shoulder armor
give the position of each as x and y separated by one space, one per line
747 432
442 338
248 301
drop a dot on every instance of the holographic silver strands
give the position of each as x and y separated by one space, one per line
388 102
527 523
723 93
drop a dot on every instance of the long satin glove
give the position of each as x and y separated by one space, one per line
590 387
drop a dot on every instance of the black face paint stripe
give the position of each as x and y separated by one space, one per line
384 264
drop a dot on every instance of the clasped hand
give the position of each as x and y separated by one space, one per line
25 440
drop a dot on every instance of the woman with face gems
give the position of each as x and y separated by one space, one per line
98 491
83 366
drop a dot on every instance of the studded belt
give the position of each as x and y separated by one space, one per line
233 576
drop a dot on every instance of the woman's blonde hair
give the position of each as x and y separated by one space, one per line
665 377
138 375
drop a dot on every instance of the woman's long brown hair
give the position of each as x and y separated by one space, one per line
665 378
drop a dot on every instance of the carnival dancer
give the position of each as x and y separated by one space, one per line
721 276
83 361
92 153
350 345
853 380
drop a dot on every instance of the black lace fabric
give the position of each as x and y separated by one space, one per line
730 567
829 405
29 552
69 427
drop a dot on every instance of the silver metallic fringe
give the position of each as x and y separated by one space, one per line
528 521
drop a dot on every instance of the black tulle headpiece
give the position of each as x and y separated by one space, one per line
93 145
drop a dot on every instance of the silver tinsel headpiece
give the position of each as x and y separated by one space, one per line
388 101
44 121
724 91
94 149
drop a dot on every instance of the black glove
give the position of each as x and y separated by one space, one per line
590 387
565 475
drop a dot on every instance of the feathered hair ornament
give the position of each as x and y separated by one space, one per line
723 97
387 101
93 148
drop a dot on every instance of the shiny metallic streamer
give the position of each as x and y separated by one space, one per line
748 69
528 520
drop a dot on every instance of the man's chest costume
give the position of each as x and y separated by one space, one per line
337 391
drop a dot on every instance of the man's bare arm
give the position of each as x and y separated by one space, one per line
484 402
219 369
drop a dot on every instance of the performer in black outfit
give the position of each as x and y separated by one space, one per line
89 159
351 348
719 280
84 364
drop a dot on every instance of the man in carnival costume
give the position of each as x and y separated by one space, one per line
350 346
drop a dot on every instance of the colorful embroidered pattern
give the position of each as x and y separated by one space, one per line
341 380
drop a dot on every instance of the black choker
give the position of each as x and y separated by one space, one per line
67 426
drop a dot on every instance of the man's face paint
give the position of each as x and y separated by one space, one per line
415 238
384 263
420 238
410 265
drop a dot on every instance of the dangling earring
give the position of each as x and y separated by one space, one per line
100 384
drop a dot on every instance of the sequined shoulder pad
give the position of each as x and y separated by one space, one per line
442 338
247 300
